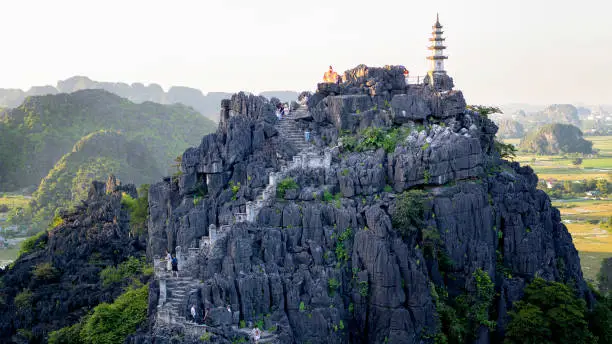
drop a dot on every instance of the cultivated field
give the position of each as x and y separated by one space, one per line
581 216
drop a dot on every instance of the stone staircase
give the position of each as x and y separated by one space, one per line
178 289
290 132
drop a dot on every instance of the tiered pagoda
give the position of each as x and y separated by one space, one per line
437 57
436 76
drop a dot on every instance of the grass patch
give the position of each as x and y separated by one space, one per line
284 185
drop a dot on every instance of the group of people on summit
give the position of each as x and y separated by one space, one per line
333 77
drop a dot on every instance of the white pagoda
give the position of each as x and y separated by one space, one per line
437 55
436 76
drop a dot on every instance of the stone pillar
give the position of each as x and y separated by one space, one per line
162 291
179 257
250 212
212 233
328 158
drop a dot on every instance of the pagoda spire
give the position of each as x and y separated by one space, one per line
437 56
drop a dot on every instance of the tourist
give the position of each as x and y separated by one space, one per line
193 313
174 266
256 334
169 261
279 111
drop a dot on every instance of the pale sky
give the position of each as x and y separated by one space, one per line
537 51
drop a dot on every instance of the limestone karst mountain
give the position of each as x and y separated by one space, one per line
94 157
556 138
206 104
35 135
397 222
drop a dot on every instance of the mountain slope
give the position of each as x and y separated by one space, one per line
556 138
38 133
94 157
64 273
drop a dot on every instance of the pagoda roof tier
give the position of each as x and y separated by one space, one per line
437 47
437 39
437 57
437 32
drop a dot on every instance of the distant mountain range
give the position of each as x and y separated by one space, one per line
206 104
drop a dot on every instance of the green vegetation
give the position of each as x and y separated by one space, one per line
68 334
23 300
462 316
302 307
36 134
44 271
94 157
506 151
549 313
206 337
38 241
112 323
409 212
556 138
341 251
284 185
373 138
327 196
484 111
126 271
333 285
138 209
364 288
235 188
570 189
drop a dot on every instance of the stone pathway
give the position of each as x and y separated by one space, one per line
289 130
178 289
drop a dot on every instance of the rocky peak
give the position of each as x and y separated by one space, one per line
326 260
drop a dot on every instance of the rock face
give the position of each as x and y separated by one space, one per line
324 262
59 279
510 129
556 138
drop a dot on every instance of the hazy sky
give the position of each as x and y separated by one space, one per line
536 51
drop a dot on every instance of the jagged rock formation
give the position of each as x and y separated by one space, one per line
556 138
323 262
58 281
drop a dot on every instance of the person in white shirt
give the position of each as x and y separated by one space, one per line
193 312
169 259
256 334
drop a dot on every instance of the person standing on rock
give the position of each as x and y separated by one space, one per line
175 266
256 334
193 313
169 261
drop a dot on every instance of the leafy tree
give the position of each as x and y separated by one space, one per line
602 186
577 161
409 212
483 110
284 185
139 209
506 150
112 323
549 312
